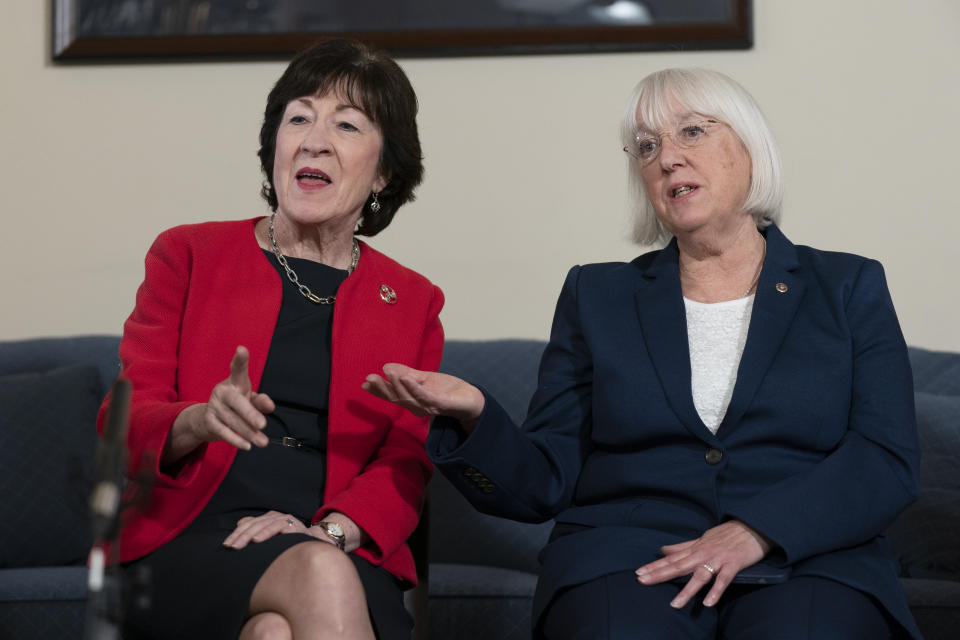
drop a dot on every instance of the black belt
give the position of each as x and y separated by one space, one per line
293 443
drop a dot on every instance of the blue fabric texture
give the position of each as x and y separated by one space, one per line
43 583
935 605
43 620
459 534
935 371
47 438
37 355
925 536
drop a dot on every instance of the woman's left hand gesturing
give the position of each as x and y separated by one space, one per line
718 555
272 523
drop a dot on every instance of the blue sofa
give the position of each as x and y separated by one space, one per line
480 571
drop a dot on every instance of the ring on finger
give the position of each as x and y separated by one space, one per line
290 523
709 568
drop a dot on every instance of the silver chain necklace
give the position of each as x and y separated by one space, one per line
292 275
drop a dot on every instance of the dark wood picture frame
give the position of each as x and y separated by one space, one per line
86 30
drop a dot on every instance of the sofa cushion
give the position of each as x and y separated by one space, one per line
467 601
461 534
924 536
36 584
449 580
935 605
47 439
935 371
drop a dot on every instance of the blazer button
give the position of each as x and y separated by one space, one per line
713 456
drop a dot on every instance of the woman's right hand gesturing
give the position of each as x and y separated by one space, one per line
426 393
234 414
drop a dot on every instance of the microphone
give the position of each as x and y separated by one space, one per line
104 607
110 465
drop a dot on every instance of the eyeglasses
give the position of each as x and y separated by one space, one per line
646 146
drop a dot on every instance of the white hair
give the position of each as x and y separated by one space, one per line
654 105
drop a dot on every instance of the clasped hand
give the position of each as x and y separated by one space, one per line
726 549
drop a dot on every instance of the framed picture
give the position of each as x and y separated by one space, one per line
131 29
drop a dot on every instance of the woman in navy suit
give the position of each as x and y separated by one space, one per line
722 428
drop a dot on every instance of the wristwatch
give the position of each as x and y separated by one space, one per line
335 532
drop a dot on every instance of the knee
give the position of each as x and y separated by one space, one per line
314 586
266 626
321 563
320 578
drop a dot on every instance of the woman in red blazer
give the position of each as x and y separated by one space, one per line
282 494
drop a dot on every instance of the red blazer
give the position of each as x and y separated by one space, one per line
208 288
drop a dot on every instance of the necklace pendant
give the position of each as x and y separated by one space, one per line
292 275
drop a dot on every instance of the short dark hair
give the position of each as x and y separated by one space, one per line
372 82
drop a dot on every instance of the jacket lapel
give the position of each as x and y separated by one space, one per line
663 322
778 297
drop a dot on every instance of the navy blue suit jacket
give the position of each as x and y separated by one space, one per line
817 451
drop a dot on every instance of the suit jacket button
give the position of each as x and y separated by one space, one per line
714 456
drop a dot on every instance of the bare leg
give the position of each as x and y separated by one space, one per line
266 626
315 588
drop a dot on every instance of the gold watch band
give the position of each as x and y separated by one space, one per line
335 532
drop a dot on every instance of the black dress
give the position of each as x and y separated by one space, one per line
198 587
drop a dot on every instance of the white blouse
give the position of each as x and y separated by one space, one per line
717 333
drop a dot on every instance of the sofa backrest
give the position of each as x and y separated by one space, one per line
935 371
37 355
458 533
51 390
924 536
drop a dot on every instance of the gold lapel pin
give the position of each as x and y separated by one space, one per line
782 288
387 294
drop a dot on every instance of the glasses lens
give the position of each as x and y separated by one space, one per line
690 134
643 147
646 146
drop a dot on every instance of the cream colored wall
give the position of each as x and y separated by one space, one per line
524 174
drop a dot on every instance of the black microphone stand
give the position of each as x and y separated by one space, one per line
105 598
